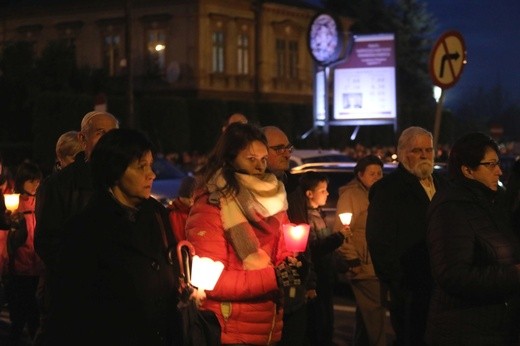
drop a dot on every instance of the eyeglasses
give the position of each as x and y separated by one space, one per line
280 149
491 164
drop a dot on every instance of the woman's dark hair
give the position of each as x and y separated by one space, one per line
366 161
25 172
114 152
468 151
309 180
235 138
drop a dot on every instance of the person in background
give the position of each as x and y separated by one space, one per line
24 266
396 234
67 147
116 285
353 198
474 254
6 179
234 118
63 195
295 309
312 194
180 207
237 219
280 150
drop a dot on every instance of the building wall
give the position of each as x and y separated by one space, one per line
189 29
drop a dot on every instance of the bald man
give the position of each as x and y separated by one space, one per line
234 118
63 195
279 153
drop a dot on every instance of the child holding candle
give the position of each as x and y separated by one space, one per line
309 197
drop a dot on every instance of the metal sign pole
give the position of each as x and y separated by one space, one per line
438 116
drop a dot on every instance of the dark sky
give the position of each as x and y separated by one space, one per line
491 32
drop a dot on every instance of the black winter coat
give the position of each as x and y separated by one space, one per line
115 285
60 196
473 253
396 229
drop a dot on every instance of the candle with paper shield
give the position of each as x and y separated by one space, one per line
296 236
12 201
205 272
345 218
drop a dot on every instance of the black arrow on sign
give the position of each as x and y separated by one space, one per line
445 58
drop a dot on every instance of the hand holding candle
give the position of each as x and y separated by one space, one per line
346 218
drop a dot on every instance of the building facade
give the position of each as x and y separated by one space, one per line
229 49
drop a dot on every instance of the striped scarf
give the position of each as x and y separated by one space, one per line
258 199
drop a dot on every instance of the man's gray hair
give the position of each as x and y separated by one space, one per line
87 119
406 138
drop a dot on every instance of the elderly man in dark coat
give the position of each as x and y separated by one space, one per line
396 234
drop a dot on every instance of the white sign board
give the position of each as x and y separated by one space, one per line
319 97
364 86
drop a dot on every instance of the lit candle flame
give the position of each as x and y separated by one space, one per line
12 201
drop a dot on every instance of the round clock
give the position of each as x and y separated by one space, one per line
325 39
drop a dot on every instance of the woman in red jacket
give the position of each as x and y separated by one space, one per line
237 219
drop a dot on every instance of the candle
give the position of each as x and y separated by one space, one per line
345 218
296 236
12 201
205 272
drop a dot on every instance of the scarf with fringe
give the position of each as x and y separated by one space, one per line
258 199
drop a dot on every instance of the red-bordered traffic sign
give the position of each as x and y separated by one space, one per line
447 59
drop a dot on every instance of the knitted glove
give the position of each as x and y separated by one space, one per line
287 275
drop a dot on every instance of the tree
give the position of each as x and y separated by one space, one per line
413 27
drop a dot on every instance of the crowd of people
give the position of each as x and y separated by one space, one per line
89 258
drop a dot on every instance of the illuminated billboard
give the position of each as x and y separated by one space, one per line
364 85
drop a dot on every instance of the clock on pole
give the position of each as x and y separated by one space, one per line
325 39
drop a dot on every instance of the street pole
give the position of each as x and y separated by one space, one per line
438 116
129 64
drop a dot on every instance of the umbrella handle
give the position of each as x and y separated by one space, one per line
191 253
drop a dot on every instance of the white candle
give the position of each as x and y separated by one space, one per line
345 218
12 201
205 272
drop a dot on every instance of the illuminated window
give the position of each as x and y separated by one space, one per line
112 53
156 49
243 54
218 52
286 58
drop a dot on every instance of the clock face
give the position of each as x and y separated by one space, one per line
323 38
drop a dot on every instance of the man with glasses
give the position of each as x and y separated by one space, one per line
396 234
295 308
279 151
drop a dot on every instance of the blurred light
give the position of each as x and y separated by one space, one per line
160 47
437 91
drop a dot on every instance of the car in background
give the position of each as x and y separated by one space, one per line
167 181
303 156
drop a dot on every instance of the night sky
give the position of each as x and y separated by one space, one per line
491 32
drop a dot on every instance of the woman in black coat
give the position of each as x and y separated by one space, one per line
117 285
474 254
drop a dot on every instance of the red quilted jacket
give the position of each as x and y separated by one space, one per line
245 301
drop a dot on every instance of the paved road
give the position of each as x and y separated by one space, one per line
343 311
